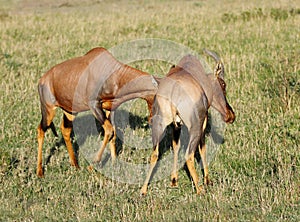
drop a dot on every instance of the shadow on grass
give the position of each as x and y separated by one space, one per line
166 143
87 126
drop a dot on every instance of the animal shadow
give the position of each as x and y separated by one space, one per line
87 126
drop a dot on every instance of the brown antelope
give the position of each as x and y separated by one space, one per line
184 97
95 81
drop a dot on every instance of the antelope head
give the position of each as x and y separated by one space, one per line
219 101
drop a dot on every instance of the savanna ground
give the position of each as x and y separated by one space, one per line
255 171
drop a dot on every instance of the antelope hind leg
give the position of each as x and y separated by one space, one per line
66 129
40 137
47 117
153 161
176 146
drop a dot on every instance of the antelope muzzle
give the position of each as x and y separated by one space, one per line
230 116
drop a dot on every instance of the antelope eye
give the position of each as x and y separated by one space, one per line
222 83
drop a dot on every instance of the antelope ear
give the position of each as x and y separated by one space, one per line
219 70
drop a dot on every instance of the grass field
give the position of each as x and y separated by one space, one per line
255 172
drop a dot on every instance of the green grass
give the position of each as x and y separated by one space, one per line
255 172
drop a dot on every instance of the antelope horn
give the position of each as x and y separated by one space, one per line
219 69
212 54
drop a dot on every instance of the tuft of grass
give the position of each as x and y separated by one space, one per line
260 14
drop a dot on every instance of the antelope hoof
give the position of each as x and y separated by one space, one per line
90 168
174 182
208 182
113 161
96 160
200 190
144 191
74 164
113 158
40 173
77 167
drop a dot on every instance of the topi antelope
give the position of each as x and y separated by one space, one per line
95 81
184 97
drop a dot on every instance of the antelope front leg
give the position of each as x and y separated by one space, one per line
98 112
202 151
112 144
113 152
108 135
